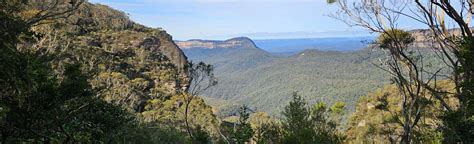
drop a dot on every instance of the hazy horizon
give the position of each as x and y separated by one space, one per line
220 20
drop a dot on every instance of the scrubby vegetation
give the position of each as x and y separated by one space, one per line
378 117
75 72
79 72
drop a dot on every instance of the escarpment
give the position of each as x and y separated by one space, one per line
130 63
240 42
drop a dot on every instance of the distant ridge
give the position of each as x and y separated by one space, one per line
238 42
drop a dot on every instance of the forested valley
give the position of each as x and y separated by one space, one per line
76 72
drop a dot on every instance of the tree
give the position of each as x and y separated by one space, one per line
315 125
451 43
267 133
325 123
267 130
201 78
60 111
297 125
243 132
37 105
201 136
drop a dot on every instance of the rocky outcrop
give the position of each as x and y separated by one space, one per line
424 38
240 42
163 42
97 18
134 62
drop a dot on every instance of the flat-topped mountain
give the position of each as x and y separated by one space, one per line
239 42
263 81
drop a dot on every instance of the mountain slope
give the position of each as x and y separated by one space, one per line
264 81
136 67
377 115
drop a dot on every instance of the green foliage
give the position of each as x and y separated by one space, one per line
378 118
200 136
303 125
331 1
152 133
395 38
297 125
326 122
320 106
461 120
202 77
52 110
338 107
171 112
39 106
56 75
269 132
261 80
243 132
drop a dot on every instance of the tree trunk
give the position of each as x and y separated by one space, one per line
405 137
188 128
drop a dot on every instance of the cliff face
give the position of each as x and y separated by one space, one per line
97 18
128 64
132 63
163 43
424 37
240 42
172 51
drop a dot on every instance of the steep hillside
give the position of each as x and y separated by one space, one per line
133 66
377 117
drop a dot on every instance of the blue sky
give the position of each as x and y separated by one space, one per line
222 19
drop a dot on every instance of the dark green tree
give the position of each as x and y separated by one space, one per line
267 133
297 123
38 104
201 136
325 122
315 125
243 132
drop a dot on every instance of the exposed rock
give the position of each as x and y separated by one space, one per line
135 63
361 123
240 42
172 51
370 106
97 18
424 38
163 43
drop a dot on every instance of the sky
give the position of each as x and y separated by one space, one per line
224 19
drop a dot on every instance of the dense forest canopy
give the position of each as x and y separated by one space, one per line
76 72
264 81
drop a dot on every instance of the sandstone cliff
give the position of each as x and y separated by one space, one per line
424 38
131 62
240 42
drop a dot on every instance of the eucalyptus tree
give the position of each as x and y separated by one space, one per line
449 36
201 78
